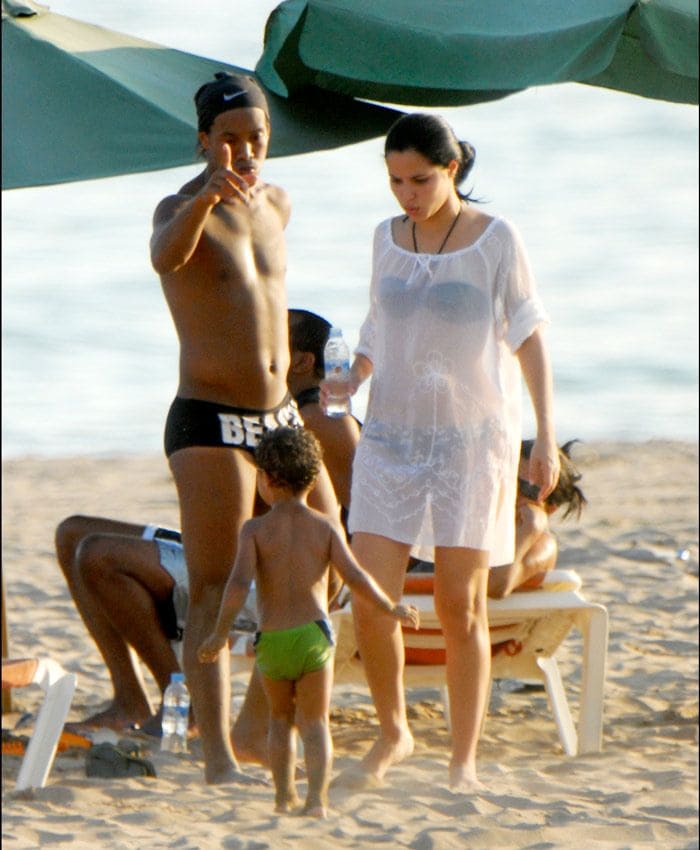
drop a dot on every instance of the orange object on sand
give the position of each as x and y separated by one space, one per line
16 745
58 686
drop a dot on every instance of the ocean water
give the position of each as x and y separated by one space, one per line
602 185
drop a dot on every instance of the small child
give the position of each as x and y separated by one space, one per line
536 547
288 552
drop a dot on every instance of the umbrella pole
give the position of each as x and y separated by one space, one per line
6 694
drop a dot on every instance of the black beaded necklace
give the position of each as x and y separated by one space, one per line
447 235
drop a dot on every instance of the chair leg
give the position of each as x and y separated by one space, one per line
559 704
593 623
59 687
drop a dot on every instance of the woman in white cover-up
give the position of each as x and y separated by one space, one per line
454 320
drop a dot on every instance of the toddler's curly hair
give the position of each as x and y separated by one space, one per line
292 457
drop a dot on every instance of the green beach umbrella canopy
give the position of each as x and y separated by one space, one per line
457 52
81 101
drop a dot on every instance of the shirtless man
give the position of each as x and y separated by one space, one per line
218 246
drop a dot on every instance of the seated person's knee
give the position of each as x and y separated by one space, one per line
69 533
94 557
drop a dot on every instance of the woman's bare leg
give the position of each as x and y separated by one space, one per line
380 643
460 603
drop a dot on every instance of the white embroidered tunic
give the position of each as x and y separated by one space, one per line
437 460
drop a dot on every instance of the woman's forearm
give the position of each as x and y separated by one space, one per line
360 370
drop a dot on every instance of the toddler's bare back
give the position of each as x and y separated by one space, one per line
293 545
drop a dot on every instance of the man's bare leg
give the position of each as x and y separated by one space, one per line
250 729
216 488
313 698
460 603
123 577
130 704
380 644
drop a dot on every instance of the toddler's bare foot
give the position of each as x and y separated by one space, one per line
285 805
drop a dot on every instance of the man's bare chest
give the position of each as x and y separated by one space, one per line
241 244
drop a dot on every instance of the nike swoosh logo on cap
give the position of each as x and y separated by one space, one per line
228 97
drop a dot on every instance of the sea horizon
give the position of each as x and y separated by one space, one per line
603 187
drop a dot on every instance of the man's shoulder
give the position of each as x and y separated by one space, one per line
278 198
170 204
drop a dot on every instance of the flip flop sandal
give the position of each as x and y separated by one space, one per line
109 762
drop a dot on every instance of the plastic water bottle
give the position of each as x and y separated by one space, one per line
336 358
176 714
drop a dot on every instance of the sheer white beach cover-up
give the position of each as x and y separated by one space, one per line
437 460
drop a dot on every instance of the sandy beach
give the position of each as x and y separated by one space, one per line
636 550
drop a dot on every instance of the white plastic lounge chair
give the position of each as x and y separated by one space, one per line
526 629
58 686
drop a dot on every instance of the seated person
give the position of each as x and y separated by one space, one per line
129 584
308 335
536 548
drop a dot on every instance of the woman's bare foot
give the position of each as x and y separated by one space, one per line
370 772
463 779
385 752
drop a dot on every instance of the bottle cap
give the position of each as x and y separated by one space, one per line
177 677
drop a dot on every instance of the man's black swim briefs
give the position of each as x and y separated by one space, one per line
192 422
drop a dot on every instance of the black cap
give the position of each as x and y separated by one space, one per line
227 91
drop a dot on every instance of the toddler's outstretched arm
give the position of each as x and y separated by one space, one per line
360 581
